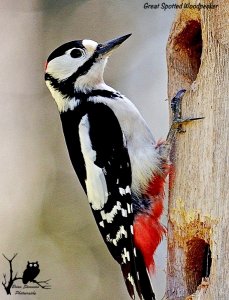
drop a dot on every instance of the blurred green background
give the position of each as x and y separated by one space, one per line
44 213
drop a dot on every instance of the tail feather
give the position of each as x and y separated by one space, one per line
126 271
137 277
144 278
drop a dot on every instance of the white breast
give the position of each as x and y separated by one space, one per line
145 159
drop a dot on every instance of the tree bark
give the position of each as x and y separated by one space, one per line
198 60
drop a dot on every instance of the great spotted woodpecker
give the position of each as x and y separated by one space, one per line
118 162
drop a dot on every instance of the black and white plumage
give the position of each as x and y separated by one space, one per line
114 155
31 272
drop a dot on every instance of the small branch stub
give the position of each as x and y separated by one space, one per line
12 279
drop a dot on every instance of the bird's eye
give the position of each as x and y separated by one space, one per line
75 53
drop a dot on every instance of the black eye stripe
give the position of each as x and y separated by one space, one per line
75 53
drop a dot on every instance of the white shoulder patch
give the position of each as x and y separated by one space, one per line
95 183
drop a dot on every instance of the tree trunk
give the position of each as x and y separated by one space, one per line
198 60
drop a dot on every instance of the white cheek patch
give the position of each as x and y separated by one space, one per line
90 45
64 66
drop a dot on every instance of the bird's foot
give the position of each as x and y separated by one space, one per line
178 121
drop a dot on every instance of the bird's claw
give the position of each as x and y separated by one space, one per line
176 104
177 120
176 123
176 109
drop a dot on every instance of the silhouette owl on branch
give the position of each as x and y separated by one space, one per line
29 275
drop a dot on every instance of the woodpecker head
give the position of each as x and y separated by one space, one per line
78 66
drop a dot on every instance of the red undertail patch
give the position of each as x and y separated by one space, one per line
148 231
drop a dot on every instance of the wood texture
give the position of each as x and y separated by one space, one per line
198 60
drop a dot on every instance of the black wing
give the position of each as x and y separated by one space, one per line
107 182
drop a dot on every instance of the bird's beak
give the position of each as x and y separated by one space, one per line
106 48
